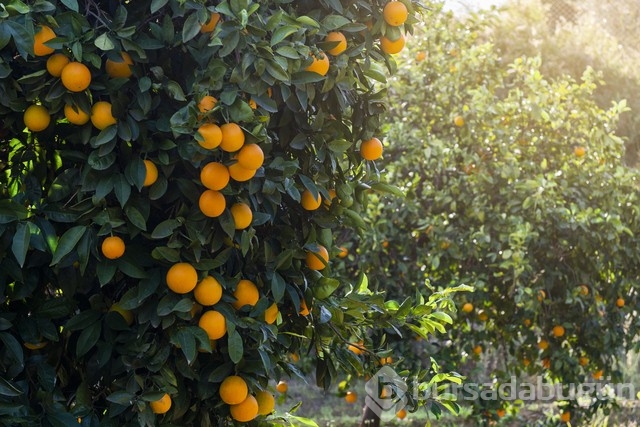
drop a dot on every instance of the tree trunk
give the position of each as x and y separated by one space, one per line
369 418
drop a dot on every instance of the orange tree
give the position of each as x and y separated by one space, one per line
514 185
171 173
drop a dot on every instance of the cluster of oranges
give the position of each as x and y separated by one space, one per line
395 14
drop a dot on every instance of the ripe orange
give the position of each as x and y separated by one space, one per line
271 314
208 291
162 405
477 350
212 203
240 174
246 410
213 323
242 215
620 302
351 397
119 69
344 252
395 13
421 56
527 322
558 331
210 25
467 307
40 38
356 348
150 173
211 136
332 195
101 116
483 316
182 277
232 137
207 103
526 362
320 64
250 156
282 386
75 116
541 295
371 149
294 357
233 390
266 402
36 118
214 176
315 259
597 374
310 203
546 363
113 247
565 417
341 46
579 151
584 290
583 361
55 64
127 315
401 414
246 293
458 121
304 310
392 47
76 76
543 344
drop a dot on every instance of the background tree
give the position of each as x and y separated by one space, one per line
171 175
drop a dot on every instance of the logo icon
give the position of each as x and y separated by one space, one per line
386 390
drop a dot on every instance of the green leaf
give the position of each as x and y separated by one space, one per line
175 91
71 4
282 33
165 229
186 341
325 287
11 211
88 338
333 22
190 28
20 244
135 217
7 388
104 42
105 136
156 5
339 146
387 188
67 243
236 348
121 398
12 348
278 287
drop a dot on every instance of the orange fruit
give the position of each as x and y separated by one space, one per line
195 309
501 413
282 386
113 247
477 350
210 25
344 252
242 215
208 291
150 173
181 278
395 13
579 151
75 116
308 202
246 410
294 357
246 293
266 402
584 290
351 397
55 64
483 316
565 417
213 323
458 121
541 295
356 348
371 149
232 137
319 66
527 322
127 315
315 259
212 203
304 310
161 405
119 69
543 344
392 47
620 302
36 118
558 331
597 374
401 414
40 38
35 346
211 136
240 174
332 195
583 361
467 307
336 36
207 103
421 56
250 156
233 390
271 314
101 116
546 363
526 362
76 76
214 176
